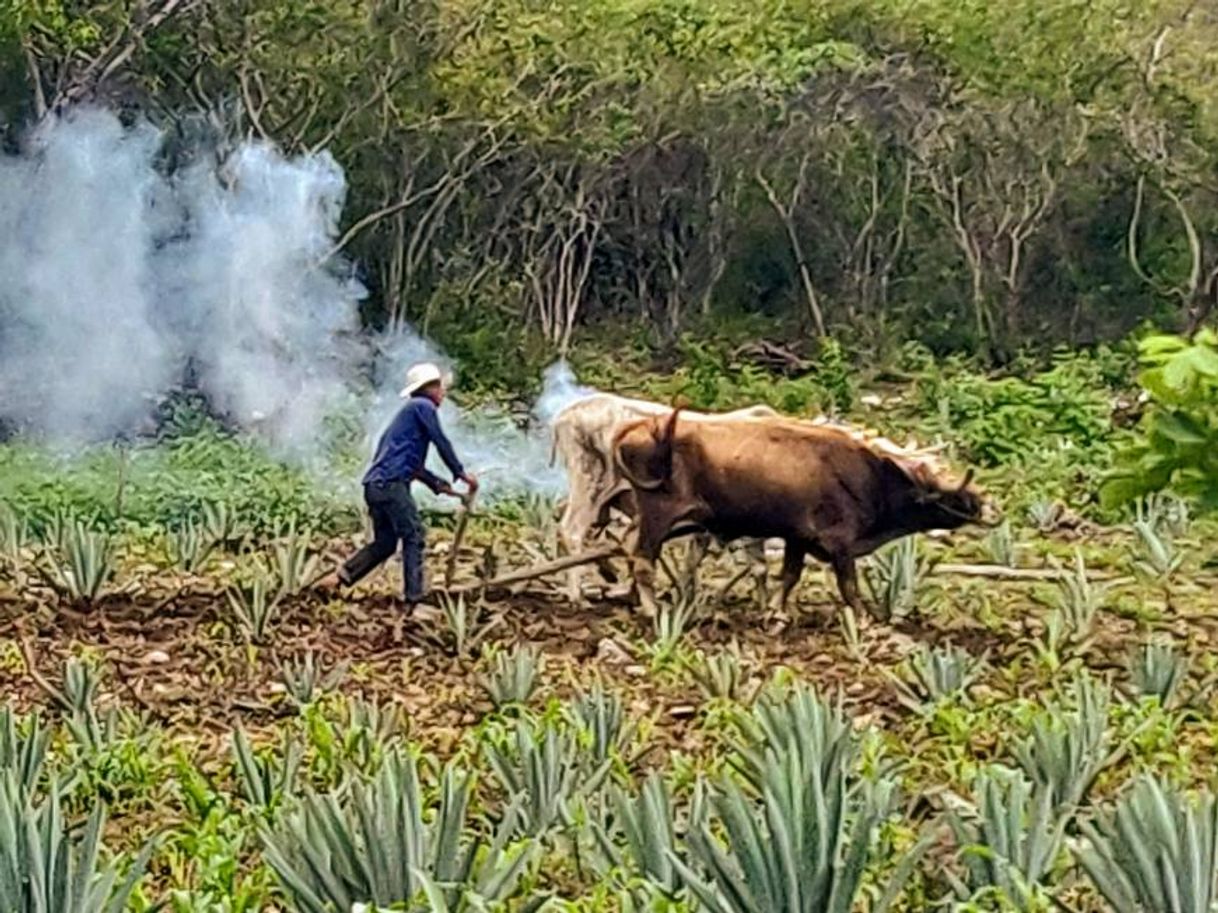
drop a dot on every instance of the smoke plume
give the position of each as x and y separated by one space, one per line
123 264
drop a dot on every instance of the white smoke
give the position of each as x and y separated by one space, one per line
114 275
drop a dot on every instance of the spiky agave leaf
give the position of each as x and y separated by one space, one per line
893 576
42 868
189 546
1156 852
933 674
799 723
600 716
266 781
1068 747
255 608
1158 670
303 678
23 753
81 563
513 674
1011 842
546 768
803 849
294 562
647 823
369 845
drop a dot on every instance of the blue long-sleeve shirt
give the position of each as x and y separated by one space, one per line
401 453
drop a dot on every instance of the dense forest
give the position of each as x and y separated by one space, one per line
980 177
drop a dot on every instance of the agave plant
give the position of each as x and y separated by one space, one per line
720 676
933 674
1001 544
1163 512
265 781
1155 555
81 565
1077 602
1158 670
189 546
800 724
379 845
255 608
544 768
88 729
893 576
599 716
14 539
303 679
1156 853
467 627
1012 842
1067 749
673 618
1045 515
23 753
219 523
513 674
294 562
805 848
42 868
647 826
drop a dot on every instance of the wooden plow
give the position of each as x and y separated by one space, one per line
541 570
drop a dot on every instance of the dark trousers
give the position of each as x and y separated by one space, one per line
395 518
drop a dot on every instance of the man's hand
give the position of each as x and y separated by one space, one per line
471 480
446 489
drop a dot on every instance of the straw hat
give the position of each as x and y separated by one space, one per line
419 376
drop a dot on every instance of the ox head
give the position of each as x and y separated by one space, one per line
642 451
950 506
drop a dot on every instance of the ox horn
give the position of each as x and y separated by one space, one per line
968 477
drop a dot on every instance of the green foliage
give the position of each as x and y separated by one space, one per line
934 674
646 824
81 564
1158 670
512 675
1157 852
1011 843
43 867
254 608
804 849
269 780
543 769
1018 421
1178 448
381 843
892 576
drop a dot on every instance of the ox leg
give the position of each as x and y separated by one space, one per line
754 551
846 571
792 570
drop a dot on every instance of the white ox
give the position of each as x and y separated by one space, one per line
583 436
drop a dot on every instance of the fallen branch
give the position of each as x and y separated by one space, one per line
1001 572
541 570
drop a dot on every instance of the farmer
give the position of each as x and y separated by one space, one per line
401 455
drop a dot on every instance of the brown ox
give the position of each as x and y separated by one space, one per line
824 491
583 436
